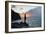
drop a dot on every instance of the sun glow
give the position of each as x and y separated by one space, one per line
27 14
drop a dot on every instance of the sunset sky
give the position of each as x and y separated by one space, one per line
21 9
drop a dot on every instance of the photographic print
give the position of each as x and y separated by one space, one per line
24 16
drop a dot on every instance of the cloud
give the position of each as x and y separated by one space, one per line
21 8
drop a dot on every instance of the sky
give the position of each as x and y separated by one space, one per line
23 8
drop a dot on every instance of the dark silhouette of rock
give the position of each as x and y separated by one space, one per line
15 16
19 25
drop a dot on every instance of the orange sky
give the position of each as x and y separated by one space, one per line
27 14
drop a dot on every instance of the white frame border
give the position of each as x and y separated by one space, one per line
25 29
